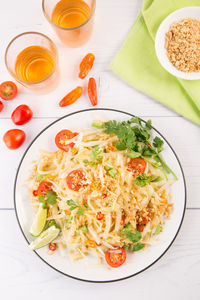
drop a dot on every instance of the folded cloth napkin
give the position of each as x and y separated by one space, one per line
137 63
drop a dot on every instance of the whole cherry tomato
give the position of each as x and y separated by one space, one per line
8 90
14 138
1 106
22 114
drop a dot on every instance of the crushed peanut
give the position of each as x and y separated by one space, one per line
183 45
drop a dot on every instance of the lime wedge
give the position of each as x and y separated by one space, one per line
39 221
45 238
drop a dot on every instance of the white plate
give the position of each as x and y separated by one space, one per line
186 12
87 268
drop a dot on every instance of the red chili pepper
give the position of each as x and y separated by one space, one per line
71 97
92 91
52 246
122 220
99 216
140 228
104 196
86 65
35 193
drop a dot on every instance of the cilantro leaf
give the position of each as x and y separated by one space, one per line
70 202
158 143
148 125
133 237
69 219
121 146
138 247
80 211
133 154
40 177
83 228
41 199
51 197
143 180
86 161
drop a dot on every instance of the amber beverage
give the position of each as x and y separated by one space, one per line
71 19
32 59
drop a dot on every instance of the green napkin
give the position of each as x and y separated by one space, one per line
137 63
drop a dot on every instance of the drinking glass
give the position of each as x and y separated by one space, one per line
72 20
32 59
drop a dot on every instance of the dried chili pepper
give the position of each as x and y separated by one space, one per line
92 91
71 97
86 65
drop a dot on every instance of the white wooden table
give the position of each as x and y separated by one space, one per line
22 274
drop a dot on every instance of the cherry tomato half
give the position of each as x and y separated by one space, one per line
44 187
22 114
115 257
14 138
8 90
76 180
140 228
52 246
99 216
62 137
1 106
137 165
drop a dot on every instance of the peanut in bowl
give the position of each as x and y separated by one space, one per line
177 43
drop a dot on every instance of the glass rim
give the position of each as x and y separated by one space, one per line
27 33
71 28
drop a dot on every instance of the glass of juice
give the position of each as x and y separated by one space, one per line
31 58
71 19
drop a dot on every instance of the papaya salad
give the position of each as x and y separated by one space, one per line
104 192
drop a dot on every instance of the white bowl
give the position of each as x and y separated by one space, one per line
87 269
186 12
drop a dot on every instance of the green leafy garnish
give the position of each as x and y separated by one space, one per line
41 199
83 228
51 197
133 154
157 230
80 211
138 247
69 219
95 155
73 205
98 124
53 223
96 151
134 135
125 247
40 177
158 143
128 232
143 180
110 168
120 146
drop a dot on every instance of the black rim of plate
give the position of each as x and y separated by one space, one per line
15 183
